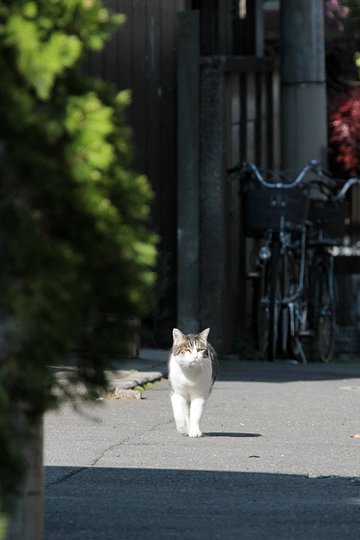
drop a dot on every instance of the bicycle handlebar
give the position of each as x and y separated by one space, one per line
351 182
312 165
346 185
245 167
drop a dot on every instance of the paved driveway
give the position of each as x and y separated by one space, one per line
278 461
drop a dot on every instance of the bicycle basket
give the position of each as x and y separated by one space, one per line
265 209
328 218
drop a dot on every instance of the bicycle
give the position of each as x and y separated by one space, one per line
289 309
275 212
327 216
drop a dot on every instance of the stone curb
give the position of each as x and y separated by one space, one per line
124 388
150 366
131 379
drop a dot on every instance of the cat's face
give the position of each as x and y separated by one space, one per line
191 350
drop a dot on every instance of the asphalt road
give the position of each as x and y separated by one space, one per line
278 461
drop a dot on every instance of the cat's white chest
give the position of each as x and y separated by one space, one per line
190 382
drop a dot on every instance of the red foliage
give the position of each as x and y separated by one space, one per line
345 131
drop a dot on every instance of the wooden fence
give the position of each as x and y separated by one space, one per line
141 56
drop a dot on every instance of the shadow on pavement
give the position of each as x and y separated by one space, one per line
112 503
261 371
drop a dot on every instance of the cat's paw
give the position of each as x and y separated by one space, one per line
195 432
182 429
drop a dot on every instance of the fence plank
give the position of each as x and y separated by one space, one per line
188 172
154 97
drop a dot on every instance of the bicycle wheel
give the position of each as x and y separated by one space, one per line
262 322
268 306
274 302
289 282
298 309
325 319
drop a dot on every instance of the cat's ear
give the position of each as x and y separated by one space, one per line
204 335
178 336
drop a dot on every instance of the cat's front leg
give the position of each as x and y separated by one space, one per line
196 410
181 413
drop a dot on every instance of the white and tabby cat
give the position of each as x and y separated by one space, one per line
193 367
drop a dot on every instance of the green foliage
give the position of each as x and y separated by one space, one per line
3 526
76 255
58 52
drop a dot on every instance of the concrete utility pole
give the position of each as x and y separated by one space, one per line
303 85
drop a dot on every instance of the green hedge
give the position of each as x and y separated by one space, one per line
76 254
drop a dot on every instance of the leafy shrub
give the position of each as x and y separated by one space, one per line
76 255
